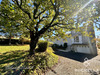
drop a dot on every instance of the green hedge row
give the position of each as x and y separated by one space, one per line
14 41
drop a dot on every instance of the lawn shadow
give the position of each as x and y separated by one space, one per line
74 56
9 61
18 62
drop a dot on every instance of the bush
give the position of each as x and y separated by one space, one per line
98 45
42 46
24 41
56 46
50 44
14 41
65 45
60 46
6 41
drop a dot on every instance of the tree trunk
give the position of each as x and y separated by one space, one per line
22 41
33 43
10 39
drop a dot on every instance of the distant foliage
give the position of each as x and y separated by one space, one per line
24 41
98 45
14 41
6 41
56 46
50 44
65 45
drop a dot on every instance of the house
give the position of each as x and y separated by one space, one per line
79 42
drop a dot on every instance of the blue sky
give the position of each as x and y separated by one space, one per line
97 32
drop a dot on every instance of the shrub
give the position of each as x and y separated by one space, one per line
6 41
14 41
50 44
98 45
56 46
42 46
24 41
60 46
65 45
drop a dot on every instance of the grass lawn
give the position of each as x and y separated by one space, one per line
13 48
10 54
16 56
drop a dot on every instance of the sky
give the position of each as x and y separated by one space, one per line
97 32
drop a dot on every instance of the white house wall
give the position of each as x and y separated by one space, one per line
83 49
69 41
85 39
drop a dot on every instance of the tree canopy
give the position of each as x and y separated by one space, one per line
41 18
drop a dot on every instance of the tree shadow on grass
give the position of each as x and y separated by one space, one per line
19 63
11 60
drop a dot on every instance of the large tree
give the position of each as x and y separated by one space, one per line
44 18
8 24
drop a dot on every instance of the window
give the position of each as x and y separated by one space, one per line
76 39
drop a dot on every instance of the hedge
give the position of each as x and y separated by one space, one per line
14 41
56 46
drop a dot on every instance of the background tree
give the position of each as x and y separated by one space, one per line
8 25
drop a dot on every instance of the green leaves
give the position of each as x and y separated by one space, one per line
43 17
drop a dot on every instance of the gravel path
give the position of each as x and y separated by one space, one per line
71 66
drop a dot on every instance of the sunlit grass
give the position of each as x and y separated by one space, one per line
13 48
17 55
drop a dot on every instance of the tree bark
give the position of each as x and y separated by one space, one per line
33 43
10 39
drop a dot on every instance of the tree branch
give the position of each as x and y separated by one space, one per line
36 10
40 13
65 27
53 5
6 16
19 5
60 24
